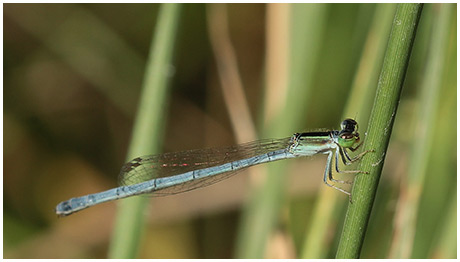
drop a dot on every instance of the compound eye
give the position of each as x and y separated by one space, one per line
348 124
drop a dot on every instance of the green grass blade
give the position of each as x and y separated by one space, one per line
147 130
380 126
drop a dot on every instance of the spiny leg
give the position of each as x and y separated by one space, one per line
344 161
339 171
352 159
353 149
328 173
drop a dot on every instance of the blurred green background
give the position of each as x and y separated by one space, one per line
73 75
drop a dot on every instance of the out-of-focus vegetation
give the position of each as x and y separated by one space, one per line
72 78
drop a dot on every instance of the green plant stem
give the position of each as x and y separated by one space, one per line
380 126
147 130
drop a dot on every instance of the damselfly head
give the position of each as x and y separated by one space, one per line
349 135
349 125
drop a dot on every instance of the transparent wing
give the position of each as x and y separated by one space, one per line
146 168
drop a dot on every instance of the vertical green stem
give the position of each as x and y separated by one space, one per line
380 126
147 130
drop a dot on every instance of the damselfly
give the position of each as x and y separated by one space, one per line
172 173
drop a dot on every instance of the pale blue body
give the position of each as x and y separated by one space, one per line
79 203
